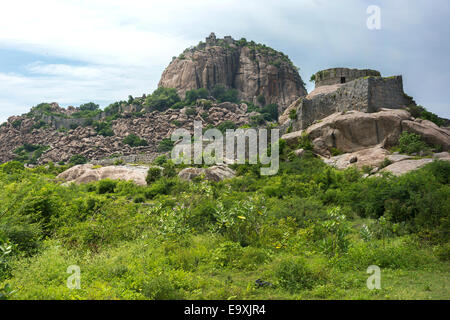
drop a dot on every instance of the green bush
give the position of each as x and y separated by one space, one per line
165 145
294 274
191 111
410 143
106 186
153 174
134 141
77 159
222 94
194 94
420 112
103 128
162 99
223 126
89 107
12 167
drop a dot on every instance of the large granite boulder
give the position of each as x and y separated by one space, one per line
353 131
429 131
88 173
371 157
405 166
214 173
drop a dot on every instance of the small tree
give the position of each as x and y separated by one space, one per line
90 106
134 141
153 174
78 159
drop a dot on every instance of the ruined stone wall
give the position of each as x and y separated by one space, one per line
368 94
61 122
387 93
335 75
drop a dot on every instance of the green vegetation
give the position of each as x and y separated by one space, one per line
29 153
153 174
134 141
103 128
87 110
222 94
411 143
162 99
193 95
78 159
422 113
165 145
311 231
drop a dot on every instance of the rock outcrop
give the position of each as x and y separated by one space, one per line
88 173
214 173
353 131
371 157
254 70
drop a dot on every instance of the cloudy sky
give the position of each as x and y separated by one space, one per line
76 51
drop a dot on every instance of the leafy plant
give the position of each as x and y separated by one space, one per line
153 174
165 145
134 141
410 143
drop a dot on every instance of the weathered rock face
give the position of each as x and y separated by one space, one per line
374 158
405 166
353 131
250 69
371 157
429 131
214 173
87 173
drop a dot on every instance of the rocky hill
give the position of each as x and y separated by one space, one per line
260 74
40 137
226 83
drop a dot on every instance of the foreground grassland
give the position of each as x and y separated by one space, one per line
311 231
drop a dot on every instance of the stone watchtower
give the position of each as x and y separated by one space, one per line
342 75
211 40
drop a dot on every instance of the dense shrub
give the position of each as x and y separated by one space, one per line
153 174
103 128
272 111
12 167
78 159
194 94
134 141
89 107
411 143
222 94
106 186
295 274
165 145
162 99
223 126
420 112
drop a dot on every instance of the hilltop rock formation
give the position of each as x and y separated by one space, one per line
254 70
